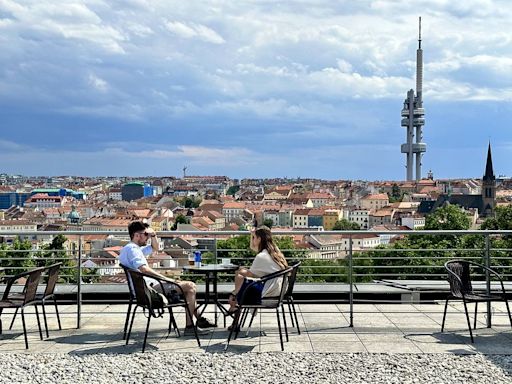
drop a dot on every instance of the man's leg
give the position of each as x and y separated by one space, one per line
189 289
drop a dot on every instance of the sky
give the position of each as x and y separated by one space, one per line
251 88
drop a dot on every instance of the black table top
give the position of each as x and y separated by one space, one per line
211 268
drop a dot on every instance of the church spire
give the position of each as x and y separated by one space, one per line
489 172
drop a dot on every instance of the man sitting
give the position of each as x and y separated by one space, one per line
133 256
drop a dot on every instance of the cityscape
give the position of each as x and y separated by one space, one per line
354 158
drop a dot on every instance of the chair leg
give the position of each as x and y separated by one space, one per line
444 314
38 322
146 334
170 322
290 311
295 315
284 321
44 318
469 322
233 326
128 313
131 325
280 331
14 317
57 312
476 309
254 311
508 311
176 329
24 327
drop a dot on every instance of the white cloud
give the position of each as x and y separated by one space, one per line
97 83
193 30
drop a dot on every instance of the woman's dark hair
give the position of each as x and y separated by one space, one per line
267 243
136 226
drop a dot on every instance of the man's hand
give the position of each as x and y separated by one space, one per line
151 232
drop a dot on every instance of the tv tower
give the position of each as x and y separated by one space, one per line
413 118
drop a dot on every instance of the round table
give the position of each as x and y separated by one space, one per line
210 272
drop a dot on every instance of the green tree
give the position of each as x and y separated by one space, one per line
18 257
345 225
233 190
396 194
448 217
268 222
190 202
180 219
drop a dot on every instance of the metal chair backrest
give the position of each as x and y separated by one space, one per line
459 277
291 278
53 276
141 291
284 283
129 281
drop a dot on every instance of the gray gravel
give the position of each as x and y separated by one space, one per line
163 367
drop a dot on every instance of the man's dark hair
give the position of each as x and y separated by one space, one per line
136 226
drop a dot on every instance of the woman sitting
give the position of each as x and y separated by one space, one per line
268 260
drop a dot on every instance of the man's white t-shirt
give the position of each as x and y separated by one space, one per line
262 265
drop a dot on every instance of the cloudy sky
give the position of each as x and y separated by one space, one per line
251 88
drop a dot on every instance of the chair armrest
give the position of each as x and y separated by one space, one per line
161 281
491 271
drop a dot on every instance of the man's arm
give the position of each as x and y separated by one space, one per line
154 246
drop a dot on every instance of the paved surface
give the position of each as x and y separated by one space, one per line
378 328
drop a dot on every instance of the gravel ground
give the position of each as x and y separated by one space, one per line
255 368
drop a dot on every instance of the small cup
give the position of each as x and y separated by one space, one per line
226 261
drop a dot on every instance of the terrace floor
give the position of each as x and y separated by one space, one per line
378 328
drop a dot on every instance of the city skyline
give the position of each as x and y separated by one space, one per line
252 89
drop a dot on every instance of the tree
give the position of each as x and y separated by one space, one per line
448 217
190 202
17 258
345 225
233 190
180 219
395 195
268 222
501 220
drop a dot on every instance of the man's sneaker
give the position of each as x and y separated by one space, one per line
189 331
203 322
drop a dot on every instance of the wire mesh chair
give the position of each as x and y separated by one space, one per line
275 303
27 297
142 299
459 277
52 272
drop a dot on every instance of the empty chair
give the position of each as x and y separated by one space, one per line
142 299
52 272
26 298
266 303
459 277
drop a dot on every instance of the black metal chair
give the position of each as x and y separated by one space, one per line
275 303
130 303
288 296
459 277
27 297
52 272
142 298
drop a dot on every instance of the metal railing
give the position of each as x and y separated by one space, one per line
340 261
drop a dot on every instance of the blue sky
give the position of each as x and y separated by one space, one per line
309 88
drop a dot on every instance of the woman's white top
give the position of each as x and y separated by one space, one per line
262 265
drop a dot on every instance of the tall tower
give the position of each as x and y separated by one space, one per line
413 119
488 187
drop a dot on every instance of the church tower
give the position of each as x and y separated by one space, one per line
488 187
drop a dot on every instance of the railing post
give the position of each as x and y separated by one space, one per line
215 250
79 284
488 276
350 280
